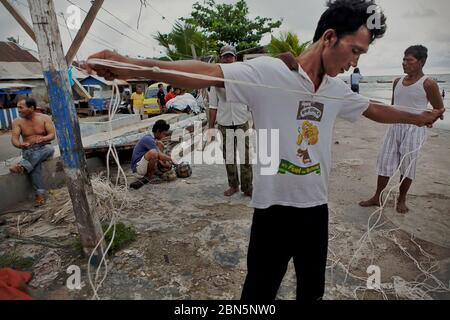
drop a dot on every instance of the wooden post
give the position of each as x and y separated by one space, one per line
78 87
29 30
81 34
54 67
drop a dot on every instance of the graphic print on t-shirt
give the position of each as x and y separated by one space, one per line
308 135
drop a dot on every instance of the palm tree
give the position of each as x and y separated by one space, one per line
183 40
287 42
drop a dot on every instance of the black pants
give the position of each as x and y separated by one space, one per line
279 234
355 88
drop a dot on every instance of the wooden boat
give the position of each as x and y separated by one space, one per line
384 81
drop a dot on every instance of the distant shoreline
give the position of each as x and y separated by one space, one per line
346 76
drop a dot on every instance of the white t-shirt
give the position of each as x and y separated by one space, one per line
355 78
304 122
228 113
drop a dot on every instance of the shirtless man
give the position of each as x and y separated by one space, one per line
37 132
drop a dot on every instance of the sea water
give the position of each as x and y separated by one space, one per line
383 92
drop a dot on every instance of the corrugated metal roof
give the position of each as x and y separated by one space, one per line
10 52
20 70
15 85
28 70
102 80
78 73
19 64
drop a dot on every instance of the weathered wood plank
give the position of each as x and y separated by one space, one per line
19 18
81 34
54 67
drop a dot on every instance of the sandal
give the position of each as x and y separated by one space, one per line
39 201
139 183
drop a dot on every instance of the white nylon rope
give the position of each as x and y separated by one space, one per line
128 66
121 65
112 110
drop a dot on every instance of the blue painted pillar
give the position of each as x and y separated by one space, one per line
54 66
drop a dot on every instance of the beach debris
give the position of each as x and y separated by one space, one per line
46 270
434 135
353 162
109 199
25 219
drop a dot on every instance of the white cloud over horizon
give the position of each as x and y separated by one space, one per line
409 22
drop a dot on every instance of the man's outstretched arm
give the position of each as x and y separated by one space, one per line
192 66
389 114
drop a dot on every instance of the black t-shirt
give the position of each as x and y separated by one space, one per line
161 95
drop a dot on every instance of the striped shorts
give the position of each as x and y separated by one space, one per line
399 142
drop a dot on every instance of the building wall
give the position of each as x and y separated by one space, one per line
39 92
7 116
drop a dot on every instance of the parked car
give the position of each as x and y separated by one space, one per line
151 106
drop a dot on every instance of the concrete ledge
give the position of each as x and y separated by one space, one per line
15 188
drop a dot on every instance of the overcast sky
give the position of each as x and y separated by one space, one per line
409 22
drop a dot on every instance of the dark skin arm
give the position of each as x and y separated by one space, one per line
164 157
387 114
393 89
374 111
50 129
15 136
193 66
212 117
434 94
212 123
384 114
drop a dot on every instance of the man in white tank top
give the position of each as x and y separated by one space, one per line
403 141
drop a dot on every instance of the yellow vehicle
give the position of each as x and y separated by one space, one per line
151 106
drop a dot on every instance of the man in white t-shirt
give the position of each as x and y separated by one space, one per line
231 117
291 212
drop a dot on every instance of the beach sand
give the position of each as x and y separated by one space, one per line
192 242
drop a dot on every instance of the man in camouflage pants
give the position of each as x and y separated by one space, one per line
232 119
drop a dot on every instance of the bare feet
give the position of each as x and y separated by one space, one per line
230 192
248 194
401 207
373 202
17 169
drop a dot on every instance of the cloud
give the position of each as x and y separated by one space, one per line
420 13
409 22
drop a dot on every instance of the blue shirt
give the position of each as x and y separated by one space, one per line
144 145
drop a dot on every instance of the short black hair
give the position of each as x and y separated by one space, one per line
160 85
169 87
418 51
31 103
160 126
347 16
